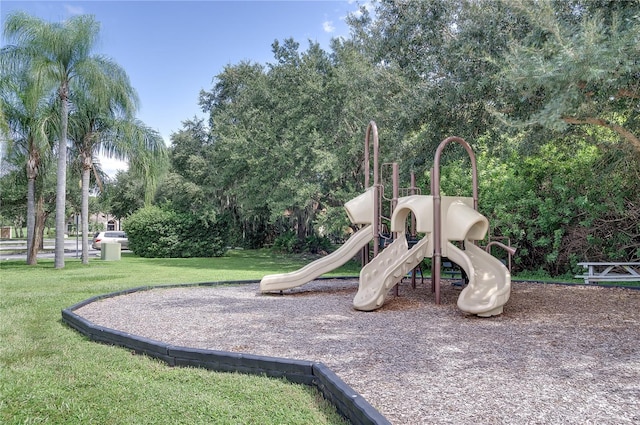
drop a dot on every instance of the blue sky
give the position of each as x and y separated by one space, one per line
173 49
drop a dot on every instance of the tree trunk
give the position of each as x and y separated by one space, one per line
31 222
38 230
32 174
17 223
61 186
302 227
621 131
84 212
41 221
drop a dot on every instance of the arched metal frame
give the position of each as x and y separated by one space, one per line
373 128
437 202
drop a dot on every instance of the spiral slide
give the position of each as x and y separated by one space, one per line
279 282
489 280
489 285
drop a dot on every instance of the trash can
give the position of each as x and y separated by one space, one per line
110 251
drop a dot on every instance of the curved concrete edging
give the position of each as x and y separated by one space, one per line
349 403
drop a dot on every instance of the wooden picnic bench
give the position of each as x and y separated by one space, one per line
610 272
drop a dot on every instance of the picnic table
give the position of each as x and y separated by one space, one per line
610 272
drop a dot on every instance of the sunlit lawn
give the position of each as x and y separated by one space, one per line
51 374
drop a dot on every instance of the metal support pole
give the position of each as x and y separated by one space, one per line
412 229
510 250
396 188
373 128
437 206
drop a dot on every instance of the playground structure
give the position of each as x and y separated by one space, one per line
450 226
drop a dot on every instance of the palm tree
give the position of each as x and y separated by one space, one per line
29 117
4 124
59 54
148 156
98 110
101 123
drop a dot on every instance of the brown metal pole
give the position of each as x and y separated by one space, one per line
437 220
395 183
365 249
396 187
412 191
366 155
433 261
437 202
510 250
412 230
373 128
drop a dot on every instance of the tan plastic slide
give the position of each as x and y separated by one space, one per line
489 285
386 270
279 282
489 280
360 211
395 261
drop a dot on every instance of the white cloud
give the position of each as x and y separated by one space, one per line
328 26
368 5
74 10
111 166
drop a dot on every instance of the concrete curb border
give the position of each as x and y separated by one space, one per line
349 403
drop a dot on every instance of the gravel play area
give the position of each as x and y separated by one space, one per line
557 355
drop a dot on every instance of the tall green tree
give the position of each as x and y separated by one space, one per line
235 149
102 123
534 64
31 118
58 54
189 186
297 128
122 195
444 49
578 66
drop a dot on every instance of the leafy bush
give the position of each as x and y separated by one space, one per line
566 204
573 200
155 232
333 223
287 242
315 244
251 233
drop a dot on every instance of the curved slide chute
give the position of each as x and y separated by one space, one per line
489 285
386 270
279 282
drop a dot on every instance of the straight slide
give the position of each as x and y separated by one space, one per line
279 282
489 285
386 270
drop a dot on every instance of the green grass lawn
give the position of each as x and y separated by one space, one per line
51 374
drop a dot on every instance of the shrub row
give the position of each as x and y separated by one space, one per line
155 232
